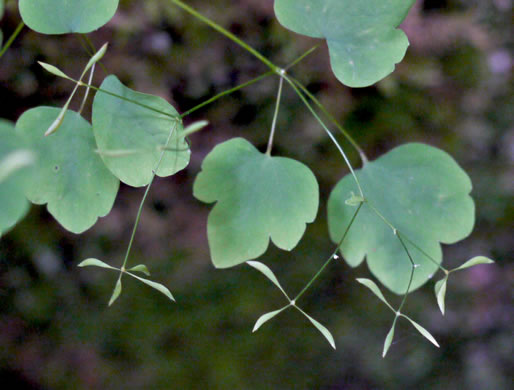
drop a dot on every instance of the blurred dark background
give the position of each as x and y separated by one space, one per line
453 90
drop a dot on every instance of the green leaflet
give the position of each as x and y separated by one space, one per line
14 205
440 293
66 16
68 175
362 36
258 197
477 260
120 125
423 193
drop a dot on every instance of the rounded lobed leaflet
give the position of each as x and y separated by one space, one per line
69 176
258 197
423 193
362 36
131 138
66 16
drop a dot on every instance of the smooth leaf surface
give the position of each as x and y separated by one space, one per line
266 317
423 193
474 261
122 125
423 331
266 271
116 292
66 16
440 292
14 162
323 330
362 36
13 204
68 176
388 340
95 263
157 286
53 70
258 197
374 289
140 268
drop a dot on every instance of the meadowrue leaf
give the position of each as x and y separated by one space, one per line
116 293
258 197
388 340
66 16
96 57
157 286
440 292
68 176
15 161
474 261
362 36
268 273
195 127
424 193
266 317
95 263
15 176
54 70
423 331
123 125
140 268
375 290
323 330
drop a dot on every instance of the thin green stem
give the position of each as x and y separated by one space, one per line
227 34
275 116
396 231
84 99
246 84
347 135
308 52
411 273
82 84
12 38
386 221
225 93
91 46
425 254
331 136
332 256
140 211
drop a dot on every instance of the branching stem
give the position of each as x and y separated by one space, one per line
322 108
225 93
140 211
227 34
413 269
330 135
332 256
397 232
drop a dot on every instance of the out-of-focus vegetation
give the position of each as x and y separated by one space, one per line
453 90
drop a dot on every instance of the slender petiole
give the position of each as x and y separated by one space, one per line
332 256
275 116
347 135
12 38
140 211
330 135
